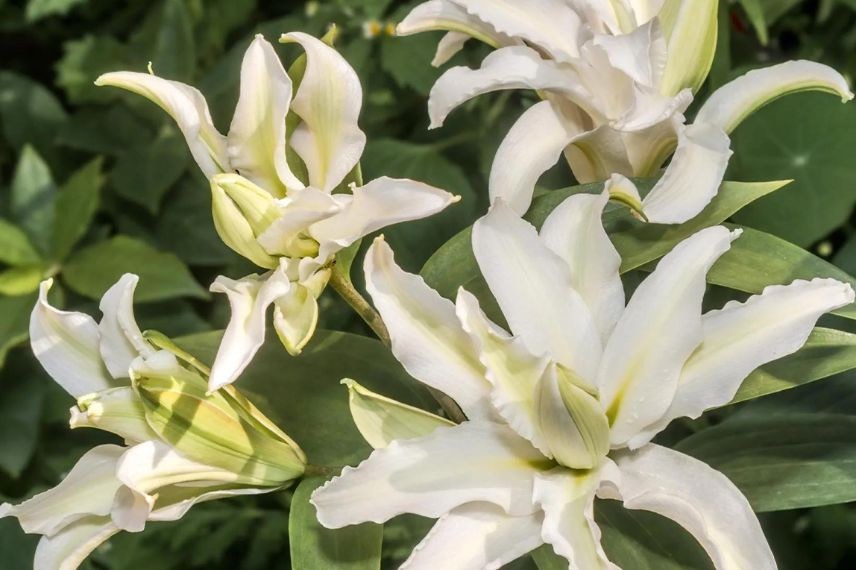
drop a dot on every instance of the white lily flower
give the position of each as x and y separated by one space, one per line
562 409
272 186
126 385
615 77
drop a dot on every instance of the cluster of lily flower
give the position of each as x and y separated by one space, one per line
558 411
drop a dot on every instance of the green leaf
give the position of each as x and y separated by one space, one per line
21 280
38 9
33 198
454 265
76 205
826 353
166 37
757 260
14 326
783 462
755 13
303 396
813 151
20 413
91 271
29 113
407 60
144 174
313 546
99 131
16 548
85 59
15 246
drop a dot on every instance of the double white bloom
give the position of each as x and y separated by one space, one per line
615 77
273 179
564 409
125 385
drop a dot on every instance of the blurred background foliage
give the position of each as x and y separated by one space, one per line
95 182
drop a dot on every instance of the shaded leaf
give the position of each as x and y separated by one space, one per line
15 246
14 325
30 113
144 174
76 205
38 9
33 198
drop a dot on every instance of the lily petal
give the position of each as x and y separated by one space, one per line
426 336
574 231
67 549
117 410
431 475
256 139
730 104
67 346
740 337
567 498
550 24
380 203
691 29
328 100
121 339
187 106
533 287
700 499
658 331
693 177
446 15
476 536
449 46
515 67
88 489
249 299
382 420
641 54
295 317
532 146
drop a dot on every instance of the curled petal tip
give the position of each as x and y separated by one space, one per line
736 233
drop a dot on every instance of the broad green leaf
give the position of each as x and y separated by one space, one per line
303 395
21 280
454 265
29 113
91 271
846 256
415 241
38 9
144 174
806 137
407 60
33 198
826 353
21 404
166 37
757 260
14 325
110 131
85 59
313 546
783 462
16 548
15 246
76 205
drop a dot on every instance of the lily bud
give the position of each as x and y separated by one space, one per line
242 211
222 429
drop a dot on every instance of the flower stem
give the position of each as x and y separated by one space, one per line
345 288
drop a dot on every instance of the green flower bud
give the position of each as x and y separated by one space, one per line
242 211
222 429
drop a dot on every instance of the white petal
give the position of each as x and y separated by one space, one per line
476 536
448 46
121 339
574 231
249 299
596 155
730 104
287 235
445 15
67 346
187 106
691 29
550 24
426 336
256 140
743 336
179 500
328 100
532 146
658 331
567 498
117 410
516 67
378 204
431 475
67 549
295 317
88 489
700 499
693 177
511 369
640 54
533 287
382 420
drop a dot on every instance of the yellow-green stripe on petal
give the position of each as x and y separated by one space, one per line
691 30
735 101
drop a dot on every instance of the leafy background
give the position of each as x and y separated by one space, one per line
95 182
